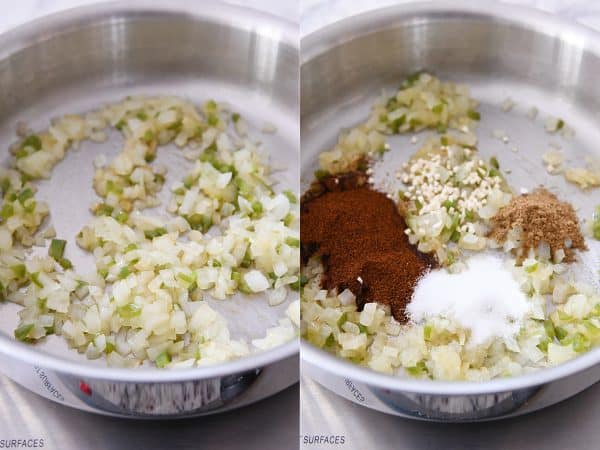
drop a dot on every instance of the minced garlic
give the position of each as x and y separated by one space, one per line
450 195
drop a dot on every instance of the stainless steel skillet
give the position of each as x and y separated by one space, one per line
78 59
499 51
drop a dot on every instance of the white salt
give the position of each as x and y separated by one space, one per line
484 298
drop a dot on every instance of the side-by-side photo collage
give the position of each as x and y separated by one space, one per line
300 225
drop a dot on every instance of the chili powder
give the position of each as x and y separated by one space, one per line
359 235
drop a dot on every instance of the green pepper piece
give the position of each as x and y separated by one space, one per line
57 248
33 141
129 310
291 196
23 331
25 195
162 360
474 115
292 242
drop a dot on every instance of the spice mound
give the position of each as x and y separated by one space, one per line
484 298
359 235
536 219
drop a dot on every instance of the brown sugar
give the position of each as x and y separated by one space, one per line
542 218
359 235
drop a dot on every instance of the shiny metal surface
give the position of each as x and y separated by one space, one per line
499 51
77 60
440 401
196 397
27 416
572 424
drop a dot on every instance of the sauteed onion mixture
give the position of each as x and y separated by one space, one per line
225 231
506 294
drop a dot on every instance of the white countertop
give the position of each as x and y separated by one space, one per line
318 13
315 13
271 424
22 11
570 425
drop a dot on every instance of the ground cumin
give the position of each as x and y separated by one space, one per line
359 235
543 218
